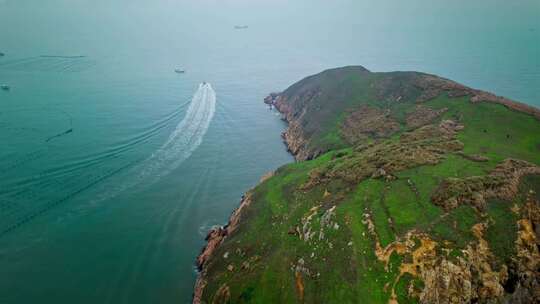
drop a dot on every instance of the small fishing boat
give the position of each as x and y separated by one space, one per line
240 27
4 87
179 71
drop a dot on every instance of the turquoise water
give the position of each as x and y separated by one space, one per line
113 167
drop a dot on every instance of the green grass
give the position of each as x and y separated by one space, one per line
404 207
371 194
456 226
427 178
487 126
370 272
402 289
348 271
502 231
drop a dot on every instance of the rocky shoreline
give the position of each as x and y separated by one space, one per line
292 104
293 137
295 142
215 237
298 144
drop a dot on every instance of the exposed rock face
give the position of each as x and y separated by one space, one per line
365 214
223 295
294 136
299 280
271 98
471 277
297 144
300 101
310 98
215 237
524 282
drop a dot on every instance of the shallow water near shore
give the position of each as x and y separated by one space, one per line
113 167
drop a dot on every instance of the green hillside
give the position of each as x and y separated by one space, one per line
409 188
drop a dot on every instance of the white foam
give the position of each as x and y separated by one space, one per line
187 136
183 141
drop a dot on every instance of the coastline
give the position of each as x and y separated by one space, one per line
216 236
298 145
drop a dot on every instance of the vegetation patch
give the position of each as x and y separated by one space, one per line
501 183
411 189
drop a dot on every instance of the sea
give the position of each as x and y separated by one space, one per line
129 128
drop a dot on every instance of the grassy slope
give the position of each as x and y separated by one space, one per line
345 89
343 266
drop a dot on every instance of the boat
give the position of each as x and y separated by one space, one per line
179 71
240 27
2 54
4 87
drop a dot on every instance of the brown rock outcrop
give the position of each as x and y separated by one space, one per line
223 295
294 136
215 237
524 282
470 278
310 96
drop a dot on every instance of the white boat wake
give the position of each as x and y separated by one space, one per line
187 136
183 141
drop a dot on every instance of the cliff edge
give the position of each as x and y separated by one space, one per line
409 188
316 105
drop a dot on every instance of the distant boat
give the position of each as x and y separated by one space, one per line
4 87
2 54
179 71
240 27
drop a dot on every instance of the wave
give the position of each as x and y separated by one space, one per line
60 56
27 199
21 216
77 164
183 141
188 134
47 63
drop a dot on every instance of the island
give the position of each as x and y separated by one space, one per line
408 188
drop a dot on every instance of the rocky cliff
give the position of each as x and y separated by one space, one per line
314 102
409 188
